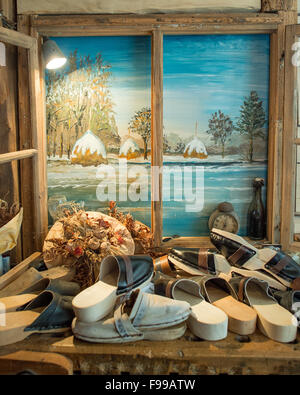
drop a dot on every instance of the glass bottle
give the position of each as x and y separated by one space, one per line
256 221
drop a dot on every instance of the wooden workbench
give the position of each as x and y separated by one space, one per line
231 356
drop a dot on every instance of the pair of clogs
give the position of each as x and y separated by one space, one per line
116 310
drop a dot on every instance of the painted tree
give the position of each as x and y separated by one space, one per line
179 147
220 129
141 124
251 122
166 144
79 98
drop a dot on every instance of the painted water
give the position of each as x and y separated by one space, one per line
231 181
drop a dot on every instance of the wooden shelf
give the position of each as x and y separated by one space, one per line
230 356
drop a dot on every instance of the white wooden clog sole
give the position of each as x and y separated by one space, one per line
97 301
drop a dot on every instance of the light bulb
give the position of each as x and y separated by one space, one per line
56 63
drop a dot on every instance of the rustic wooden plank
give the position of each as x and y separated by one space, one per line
134 6
154 19
15 38
157 135
25 140
277 78
18 155
288 151
188 242
35 362
8 9
38 125
9 172
118 24
259 355
147 30
275 130
16 271
278 5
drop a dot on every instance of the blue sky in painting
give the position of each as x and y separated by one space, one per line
130 58
202 74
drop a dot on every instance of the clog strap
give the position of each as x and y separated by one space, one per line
134 270
57 312
163 265
124 326
240 256
218 281
198 258
290 300
240 285
206 261
285 267
164 287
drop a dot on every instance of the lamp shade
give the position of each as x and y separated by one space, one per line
53 56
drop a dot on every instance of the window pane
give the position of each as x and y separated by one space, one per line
216 91
98 114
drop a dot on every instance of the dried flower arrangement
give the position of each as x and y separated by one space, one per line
82 239
140 233
7 213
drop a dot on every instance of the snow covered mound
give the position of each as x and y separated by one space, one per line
88 150
129 149
195 149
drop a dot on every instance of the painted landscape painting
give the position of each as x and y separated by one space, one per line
215 125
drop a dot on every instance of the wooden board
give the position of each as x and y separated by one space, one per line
134 6
9 175
18 155
26 166
231 356
288 147
18 270
157 135
38 363
85 25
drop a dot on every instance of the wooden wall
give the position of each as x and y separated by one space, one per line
8 114
135 6
9 173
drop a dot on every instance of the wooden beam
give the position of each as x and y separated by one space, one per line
288 152
278 5
26 166
188 242
37 104
18 270
39 363
235 355
132 24
9 172
12 37
157 135
134 6
18 155
275 135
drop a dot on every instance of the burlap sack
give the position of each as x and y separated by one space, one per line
52 259
9 233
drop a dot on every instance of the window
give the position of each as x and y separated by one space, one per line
163 30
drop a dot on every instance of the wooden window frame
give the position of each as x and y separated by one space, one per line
156 26
37 151
290 144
